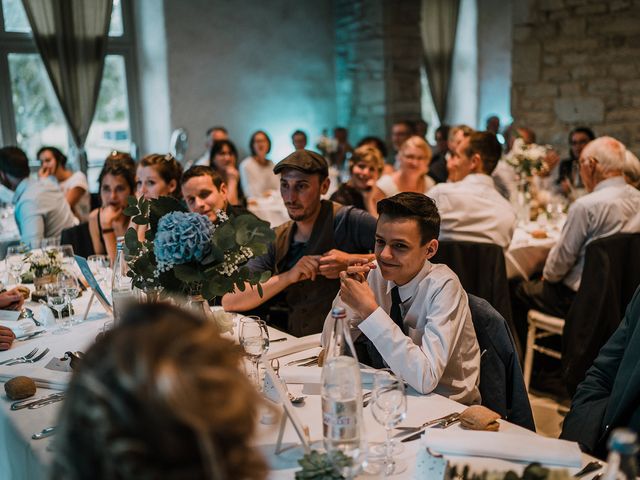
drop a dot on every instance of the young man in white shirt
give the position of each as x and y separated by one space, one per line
471 209
611 206
408 313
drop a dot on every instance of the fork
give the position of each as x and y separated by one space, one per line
25 357
31 360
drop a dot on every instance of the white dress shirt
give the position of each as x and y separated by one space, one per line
613 207
256 179
472 210
389 187
440 352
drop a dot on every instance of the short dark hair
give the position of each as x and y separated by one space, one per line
443 130
298 132
486 145
202 171
210 130
61 158
375 141
119 163
406 123
14 162
253 137
413 206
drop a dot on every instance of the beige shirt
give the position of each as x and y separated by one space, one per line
440 352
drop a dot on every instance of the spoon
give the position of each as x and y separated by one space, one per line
275 364
28 313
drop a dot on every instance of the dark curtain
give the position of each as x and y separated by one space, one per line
71 36
438 28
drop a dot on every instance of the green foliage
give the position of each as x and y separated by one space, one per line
322 466
223 269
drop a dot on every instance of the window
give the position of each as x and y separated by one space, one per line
30 115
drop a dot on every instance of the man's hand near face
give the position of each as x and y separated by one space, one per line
356 293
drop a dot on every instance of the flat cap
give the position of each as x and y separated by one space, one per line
304 160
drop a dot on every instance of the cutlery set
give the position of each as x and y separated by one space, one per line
304 362
32 404
32 357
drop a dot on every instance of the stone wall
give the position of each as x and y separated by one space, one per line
577 62
378 51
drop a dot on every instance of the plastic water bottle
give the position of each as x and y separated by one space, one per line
621 462
122 293
342 424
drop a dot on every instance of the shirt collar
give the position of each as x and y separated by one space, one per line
22 186
617 181
481 178
409 289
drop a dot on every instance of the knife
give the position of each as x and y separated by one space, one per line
442 423
46 402
46 432
28 403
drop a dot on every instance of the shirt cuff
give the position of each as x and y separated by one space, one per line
377 324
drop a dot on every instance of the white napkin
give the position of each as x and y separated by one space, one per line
296 374
508 446
293 345
20 327
42 377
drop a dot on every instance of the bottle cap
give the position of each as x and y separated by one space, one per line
623 441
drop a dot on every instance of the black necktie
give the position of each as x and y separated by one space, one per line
396 313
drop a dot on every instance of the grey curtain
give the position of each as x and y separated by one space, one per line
71 36
438 28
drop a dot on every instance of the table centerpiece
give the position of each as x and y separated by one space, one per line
185 255
44 266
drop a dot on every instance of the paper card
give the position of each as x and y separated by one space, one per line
93 283
59 365
9 315
431 466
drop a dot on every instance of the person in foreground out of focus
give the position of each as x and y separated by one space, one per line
163 395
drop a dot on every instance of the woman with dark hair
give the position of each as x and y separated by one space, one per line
159 176
163 395
256 171
224 160
53 163
117 181
568 177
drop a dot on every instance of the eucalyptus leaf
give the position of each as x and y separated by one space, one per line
140 220
131 211
131 241
188 273
224 237
132 201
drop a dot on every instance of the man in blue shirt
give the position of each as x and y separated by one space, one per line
41 209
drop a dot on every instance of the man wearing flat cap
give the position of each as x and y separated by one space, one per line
309 251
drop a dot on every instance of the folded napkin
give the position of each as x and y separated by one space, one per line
509 446
295 374
20 327
42 377
293 345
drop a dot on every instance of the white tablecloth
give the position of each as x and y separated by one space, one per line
23 458
526 255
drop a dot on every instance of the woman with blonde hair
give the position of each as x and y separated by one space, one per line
365 166
163 395
414 158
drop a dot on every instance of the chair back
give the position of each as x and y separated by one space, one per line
610 277
80 238
482 272
501 383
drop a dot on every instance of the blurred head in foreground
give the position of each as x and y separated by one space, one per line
163 395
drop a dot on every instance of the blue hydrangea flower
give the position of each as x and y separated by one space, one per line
182 238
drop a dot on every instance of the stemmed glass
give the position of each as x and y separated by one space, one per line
68 258
254 338
15 261
57 300
68 284
389 408
99 265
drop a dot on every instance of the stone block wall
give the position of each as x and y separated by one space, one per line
378 54
577 62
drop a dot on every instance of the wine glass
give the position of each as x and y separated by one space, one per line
68 258
99 264
389 408
56 299
68 284
254 338
47 243
15 261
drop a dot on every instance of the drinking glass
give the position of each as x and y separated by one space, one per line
15 261
47 243
57 300
68 284
389 408
68 258
254 338
99 264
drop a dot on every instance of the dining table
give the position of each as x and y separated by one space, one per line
22 457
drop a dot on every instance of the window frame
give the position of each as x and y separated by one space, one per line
19 42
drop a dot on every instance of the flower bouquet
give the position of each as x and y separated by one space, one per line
185 254
43 268
526 159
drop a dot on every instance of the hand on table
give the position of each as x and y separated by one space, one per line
6 338
11 300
